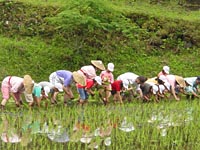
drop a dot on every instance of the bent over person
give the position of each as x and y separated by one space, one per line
85 90
89 71
117 87
12 86
65 78
107 79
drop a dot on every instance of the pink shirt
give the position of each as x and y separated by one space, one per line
14 83
171 79
105 74
88 71
161 73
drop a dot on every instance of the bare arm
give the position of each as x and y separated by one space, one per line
90 91
68 91
195 94
174 94
13 95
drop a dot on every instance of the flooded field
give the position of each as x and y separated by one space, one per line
166 125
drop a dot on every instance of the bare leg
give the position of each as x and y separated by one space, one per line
3 103
107 92
53 99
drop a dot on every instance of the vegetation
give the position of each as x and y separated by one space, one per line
152 126
39 37
43 36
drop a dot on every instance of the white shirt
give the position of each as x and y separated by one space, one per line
45 83
131 77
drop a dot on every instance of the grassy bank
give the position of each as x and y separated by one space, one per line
43 36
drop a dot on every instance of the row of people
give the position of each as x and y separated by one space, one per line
86 78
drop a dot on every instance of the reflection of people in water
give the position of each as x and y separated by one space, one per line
57 132
10 134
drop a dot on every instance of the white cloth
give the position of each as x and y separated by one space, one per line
53 78
131 77
190 80
12 138
45 83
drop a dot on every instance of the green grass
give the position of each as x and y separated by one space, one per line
34 57
169 10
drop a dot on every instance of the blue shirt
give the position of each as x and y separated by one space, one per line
66 75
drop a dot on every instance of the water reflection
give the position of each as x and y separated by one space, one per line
23 128
9 132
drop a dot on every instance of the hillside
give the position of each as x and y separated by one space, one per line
41 37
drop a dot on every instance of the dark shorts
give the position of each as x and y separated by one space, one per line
113 92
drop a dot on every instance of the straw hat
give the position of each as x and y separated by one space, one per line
79 78
99 64
152 80
180 80
28 84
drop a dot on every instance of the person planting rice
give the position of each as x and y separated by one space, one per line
117 87
54 89
65 78
12 85
15 86
180 84
37 92
131 77
90 71
176 84
192 87
85 90
40 93
158 88
146 89
107 79
165 71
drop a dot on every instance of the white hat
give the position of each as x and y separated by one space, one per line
98 79
125 83
155 89
46 90
28 97
111 67
166 69
59 87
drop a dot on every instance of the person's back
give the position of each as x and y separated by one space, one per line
65 76
45 83
89 71
131 77
190 80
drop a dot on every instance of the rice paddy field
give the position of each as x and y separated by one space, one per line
38 37
134 125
